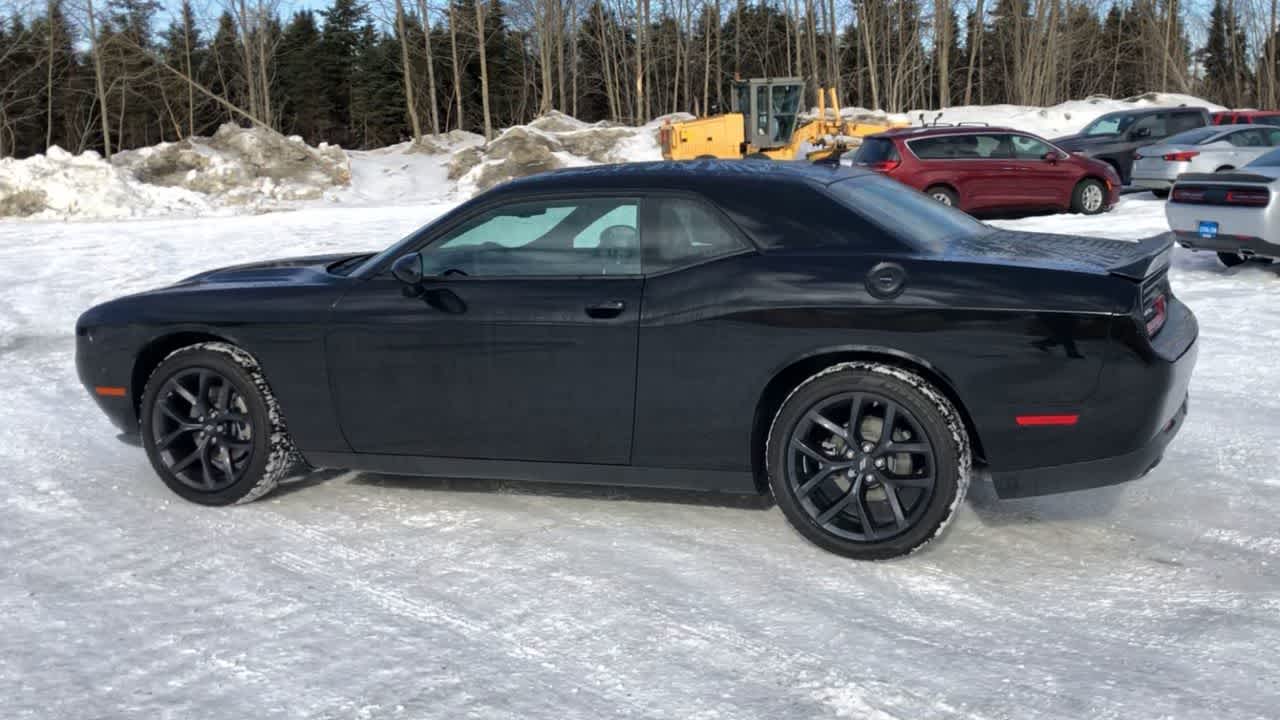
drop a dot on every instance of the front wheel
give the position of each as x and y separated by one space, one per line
868 460
1089 197
211 427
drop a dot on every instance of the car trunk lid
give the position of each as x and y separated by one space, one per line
1134 260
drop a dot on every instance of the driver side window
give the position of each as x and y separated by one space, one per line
561 237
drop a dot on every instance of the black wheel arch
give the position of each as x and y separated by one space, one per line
788 377
157 349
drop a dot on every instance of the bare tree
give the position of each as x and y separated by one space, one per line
484 68
407 72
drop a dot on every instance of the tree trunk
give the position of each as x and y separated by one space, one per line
424 8
98 84
974 49
641 16
407 73
942 43
484 69
457 74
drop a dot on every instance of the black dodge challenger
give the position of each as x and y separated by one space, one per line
823 334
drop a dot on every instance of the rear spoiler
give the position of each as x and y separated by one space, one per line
1225 177
1150 256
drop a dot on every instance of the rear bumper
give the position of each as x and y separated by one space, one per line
1154 397
1237 244
1093 473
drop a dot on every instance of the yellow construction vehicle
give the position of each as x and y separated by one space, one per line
766 123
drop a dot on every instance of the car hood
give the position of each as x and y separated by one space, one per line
1076 253
286 270
1080 143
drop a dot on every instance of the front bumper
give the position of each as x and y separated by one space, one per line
1244 245
1152 183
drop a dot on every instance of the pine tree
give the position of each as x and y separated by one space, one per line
337 54
304 105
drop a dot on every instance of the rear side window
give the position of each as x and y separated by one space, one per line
1180 121
923 222
962 147
682 232
1249 138
876 150
1268 120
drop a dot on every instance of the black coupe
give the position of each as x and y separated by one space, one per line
823 334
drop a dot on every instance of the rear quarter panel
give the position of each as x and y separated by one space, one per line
1004 339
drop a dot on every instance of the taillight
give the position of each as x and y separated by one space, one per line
1188 195
1179 156
1155 315
884 165
1250 198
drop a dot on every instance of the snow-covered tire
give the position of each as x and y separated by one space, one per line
272 455
937 417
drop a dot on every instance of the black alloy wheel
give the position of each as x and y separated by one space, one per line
201 429
211 427
861 466
867 460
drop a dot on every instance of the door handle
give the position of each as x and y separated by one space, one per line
607 309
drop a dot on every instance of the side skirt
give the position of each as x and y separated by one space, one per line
722 481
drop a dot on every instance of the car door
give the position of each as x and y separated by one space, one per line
1042 179
691 340
521 344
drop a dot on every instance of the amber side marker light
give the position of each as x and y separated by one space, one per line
108 391
1037 420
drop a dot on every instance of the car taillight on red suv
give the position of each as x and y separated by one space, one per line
878 154
1155 303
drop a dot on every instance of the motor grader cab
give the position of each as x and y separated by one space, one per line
766 122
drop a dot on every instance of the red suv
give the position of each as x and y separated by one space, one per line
1247 117
991 169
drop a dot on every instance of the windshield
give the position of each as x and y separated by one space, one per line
1193 137
907 213
1108 125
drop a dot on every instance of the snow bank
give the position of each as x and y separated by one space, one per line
552 141
249 168
1061 119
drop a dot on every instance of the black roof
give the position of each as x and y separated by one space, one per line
689 174
1150 110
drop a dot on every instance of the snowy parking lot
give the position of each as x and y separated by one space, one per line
358 596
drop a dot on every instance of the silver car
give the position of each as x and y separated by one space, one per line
1202 150
1234 213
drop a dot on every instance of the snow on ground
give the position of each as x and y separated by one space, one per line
362 596
1049 122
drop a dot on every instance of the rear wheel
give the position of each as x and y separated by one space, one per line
211 427
867 460
1089 197
1230 259
944 195
706 157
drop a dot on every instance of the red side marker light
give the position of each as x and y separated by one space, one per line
1038 420
109 391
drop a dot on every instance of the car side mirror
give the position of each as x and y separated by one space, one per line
408 270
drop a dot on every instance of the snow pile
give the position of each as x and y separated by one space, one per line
61 185
237 167
552 141
241 166
1061 119
413 173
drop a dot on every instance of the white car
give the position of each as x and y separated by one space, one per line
1234 214
1216 148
